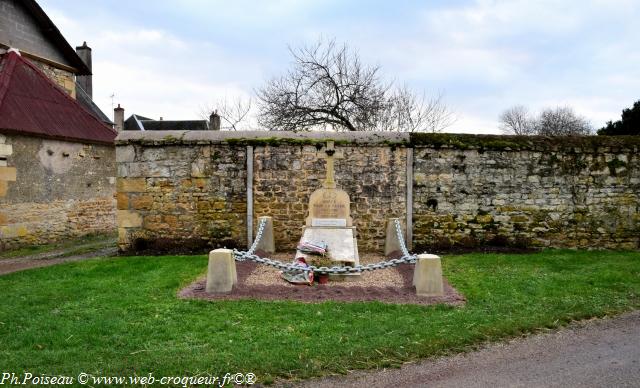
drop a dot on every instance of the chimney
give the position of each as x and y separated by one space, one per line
118 118
214 121
85 82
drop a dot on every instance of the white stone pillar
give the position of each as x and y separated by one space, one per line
427 276
267 242
221 274
391 243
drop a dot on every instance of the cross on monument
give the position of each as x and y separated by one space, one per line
330 182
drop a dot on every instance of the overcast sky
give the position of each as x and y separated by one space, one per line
170 58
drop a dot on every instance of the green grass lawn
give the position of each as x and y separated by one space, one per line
121 317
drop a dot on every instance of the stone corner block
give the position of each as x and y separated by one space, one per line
129 219
427 276
8 174
131 185
6 149
123 239
221 272
13 231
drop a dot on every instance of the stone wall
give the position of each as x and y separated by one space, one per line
51 190
65 79
560 193
176 187
373 176
181 197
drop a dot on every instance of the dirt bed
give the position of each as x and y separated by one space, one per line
260 282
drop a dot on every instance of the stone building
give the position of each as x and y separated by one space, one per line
26 27
57 158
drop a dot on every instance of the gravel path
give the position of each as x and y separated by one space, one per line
595 353
265 275
50 258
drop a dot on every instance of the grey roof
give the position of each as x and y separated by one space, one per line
133 123
175 125
83 98
136 122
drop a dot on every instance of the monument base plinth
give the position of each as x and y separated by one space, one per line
342 247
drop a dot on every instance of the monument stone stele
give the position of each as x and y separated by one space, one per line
329 217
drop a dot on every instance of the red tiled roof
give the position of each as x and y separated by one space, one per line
31 103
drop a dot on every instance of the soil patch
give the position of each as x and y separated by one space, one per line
259 282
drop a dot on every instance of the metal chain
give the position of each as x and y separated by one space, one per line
249 255
403 247
263 223
242 256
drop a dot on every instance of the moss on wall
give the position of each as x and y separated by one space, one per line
517 143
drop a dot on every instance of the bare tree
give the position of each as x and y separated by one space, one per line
406 112
234 114
516 121
329 88
562 121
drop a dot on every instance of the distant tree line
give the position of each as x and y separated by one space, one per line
559 121
563 121
629 124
